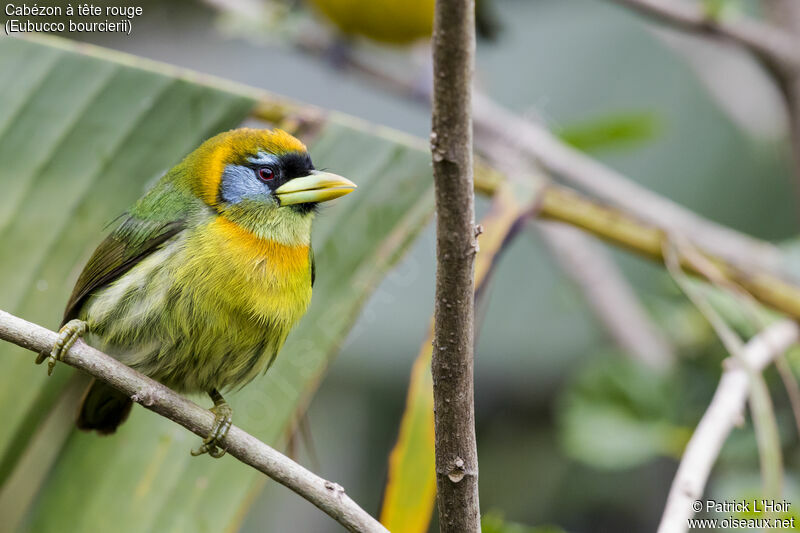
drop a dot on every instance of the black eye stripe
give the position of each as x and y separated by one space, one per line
287 167
295 165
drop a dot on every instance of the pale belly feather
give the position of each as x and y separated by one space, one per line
205 311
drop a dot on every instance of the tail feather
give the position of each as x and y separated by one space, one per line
103 408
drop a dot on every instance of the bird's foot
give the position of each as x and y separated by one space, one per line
67 335
223 416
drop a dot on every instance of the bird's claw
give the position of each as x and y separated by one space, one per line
67 335
223 417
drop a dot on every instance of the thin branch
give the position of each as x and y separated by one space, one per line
777 49
327 496
785 14
499 131
495 125
616 226
776 45
607 292
609 295
792 388
724 412
452 365
745 260
762 411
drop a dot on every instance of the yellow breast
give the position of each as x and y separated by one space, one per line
241 272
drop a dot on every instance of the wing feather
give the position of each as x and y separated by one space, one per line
133 240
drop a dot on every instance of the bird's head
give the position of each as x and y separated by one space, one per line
254 170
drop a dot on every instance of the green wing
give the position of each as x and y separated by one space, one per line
133 240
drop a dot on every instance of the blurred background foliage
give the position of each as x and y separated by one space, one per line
571 432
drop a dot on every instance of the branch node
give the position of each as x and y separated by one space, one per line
334 487
436 150
457 471
145 397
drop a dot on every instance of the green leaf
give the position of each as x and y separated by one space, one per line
494 522
613 131
768 437
86 132
616 414
79 139
717 10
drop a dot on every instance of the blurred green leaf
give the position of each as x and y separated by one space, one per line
613 131
494 522
84 130
616 414
745 316
742 484
79 139
768 437
720 9
713 9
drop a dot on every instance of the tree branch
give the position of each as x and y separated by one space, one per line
775 48
615 226
752 263
327 496
585 262
609 295
456 246
495 125
776 45
724 412
499 131
785 14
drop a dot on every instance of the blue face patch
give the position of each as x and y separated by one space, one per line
240 182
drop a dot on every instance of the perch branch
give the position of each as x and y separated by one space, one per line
724 412
776 48
327 496
456 245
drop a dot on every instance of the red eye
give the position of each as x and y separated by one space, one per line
266 174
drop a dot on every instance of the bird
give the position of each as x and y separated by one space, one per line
202 279
396 22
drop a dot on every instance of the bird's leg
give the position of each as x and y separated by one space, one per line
67 335
223 416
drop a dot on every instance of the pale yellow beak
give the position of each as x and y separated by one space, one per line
316 187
